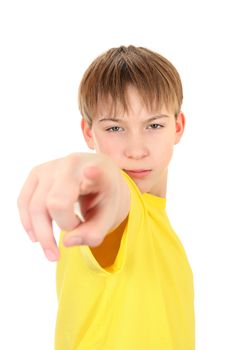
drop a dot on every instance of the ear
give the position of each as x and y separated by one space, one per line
87 133
180 125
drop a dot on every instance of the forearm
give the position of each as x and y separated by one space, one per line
123 200
106 252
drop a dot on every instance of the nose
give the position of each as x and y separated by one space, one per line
136 147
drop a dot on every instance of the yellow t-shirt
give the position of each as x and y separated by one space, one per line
144 300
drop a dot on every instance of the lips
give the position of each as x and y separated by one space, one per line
137 173
137 170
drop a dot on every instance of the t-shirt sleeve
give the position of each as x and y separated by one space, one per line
128 240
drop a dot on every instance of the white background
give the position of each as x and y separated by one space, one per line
45 48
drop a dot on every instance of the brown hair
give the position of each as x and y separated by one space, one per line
108 76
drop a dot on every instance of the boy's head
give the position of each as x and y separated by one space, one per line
106 80
132 89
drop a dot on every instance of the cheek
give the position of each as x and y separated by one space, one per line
166 151
109 146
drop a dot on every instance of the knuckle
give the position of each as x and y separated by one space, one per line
47 244
46 238
58 203
34 171
26 225
36 207
72 158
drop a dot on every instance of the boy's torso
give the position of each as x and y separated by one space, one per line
144 300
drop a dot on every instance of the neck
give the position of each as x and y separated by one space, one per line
160 189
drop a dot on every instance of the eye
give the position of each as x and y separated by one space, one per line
112 129
160 126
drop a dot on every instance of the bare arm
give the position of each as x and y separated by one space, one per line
52 189
106 252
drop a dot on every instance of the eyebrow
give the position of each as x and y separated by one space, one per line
147 120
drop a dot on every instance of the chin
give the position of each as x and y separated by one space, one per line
142 187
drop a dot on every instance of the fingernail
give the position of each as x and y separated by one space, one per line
76 240
52 256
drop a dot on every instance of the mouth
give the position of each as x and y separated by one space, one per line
138 173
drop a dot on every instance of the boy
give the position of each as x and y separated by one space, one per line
123 277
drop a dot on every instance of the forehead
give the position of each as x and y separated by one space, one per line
133 103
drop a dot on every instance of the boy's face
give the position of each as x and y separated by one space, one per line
134 143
